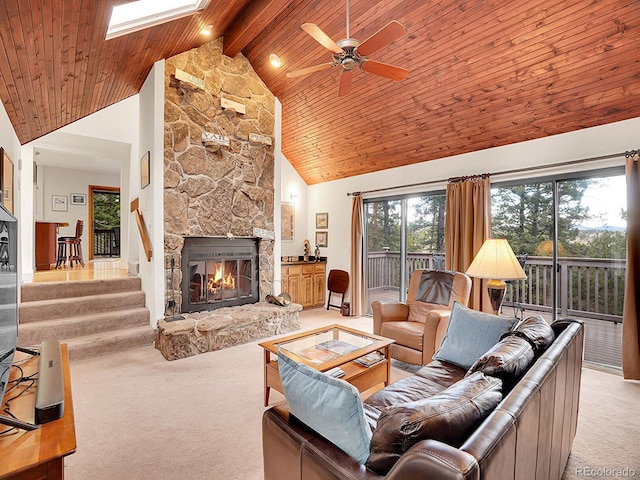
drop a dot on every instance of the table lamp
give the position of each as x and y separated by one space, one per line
496 262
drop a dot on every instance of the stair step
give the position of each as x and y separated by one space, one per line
92 316
107 342
34 333
32 292
39 310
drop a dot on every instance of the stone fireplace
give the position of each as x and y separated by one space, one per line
217 190
219 272
221 191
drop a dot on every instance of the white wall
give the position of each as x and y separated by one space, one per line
8 139
11 145
63 181
293 189
109 135
151 198
598 141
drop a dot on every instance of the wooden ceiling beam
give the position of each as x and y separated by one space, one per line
251 21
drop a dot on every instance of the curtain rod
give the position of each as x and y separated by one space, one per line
506 172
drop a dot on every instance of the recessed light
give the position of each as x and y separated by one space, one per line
275 60
206 30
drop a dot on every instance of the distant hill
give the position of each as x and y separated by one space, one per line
603 228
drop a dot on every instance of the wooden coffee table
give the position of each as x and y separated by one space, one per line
328 347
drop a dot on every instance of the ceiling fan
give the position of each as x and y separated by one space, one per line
352 54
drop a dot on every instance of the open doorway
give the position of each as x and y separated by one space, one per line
104 221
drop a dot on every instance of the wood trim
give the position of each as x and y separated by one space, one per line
92 189
144 235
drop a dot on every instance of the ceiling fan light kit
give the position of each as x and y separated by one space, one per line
351 54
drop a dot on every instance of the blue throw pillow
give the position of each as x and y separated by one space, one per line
330 406
470 334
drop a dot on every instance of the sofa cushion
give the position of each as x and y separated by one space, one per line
536 331
469 334
330 406
431 379
449 416
508 360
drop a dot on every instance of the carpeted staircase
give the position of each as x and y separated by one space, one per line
92 316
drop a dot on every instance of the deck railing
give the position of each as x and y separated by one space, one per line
106 243
589 287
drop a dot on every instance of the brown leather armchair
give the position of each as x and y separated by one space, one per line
419 325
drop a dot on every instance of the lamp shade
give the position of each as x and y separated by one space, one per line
496 260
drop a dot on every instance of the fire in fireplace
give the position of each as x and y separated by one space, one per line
219 272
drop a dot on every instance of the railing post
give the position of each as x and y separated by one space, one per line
564 288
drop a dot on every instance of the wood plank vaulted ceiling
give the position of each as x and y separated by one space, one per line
481 73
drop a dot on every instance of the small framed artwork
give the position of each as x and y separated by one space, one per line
78 199
288 219
145 170
322 220
59 203
322 239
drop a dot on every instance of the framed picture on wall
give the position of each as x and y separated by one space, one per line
322 220
59 203
145 170
78 199
322 239
288 214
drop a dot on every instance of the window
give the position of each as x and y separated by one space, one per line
134 16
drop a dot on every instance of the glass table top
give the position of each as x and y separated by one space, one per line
319 347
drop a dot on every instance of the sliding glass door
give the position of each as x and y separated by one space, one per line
425 233
383 220
403 234
570 235
591 261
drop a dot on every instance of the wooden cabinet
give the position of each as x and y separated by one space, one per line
291 282
39 453
319 287
305 282
46 243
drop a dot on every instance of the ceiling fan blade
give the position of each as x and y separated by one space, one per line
345 83
321 37
391 32
389 71
305 71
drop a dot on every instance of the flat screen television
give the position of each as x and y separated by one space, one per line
8 294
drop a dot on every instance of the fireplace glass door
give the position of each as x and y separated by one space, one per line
219 272
219 280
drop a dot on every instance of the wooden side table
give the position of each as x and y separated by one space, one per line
38 454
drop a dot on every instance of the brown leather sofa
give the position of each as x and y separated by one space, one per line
419 325
527 436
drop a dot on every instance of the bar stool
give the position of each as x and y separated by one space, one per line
70 248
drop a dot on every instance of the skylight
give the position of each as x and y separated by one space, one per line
141 14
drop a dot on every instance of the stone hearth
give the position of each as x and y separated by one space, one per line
225 327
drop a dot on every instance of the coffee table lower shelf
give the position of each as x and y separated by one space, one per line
361 377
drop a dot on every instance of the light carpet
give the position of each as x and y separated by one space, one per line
139 416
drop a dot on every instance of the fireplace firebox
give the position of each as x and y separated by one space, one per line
219 272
